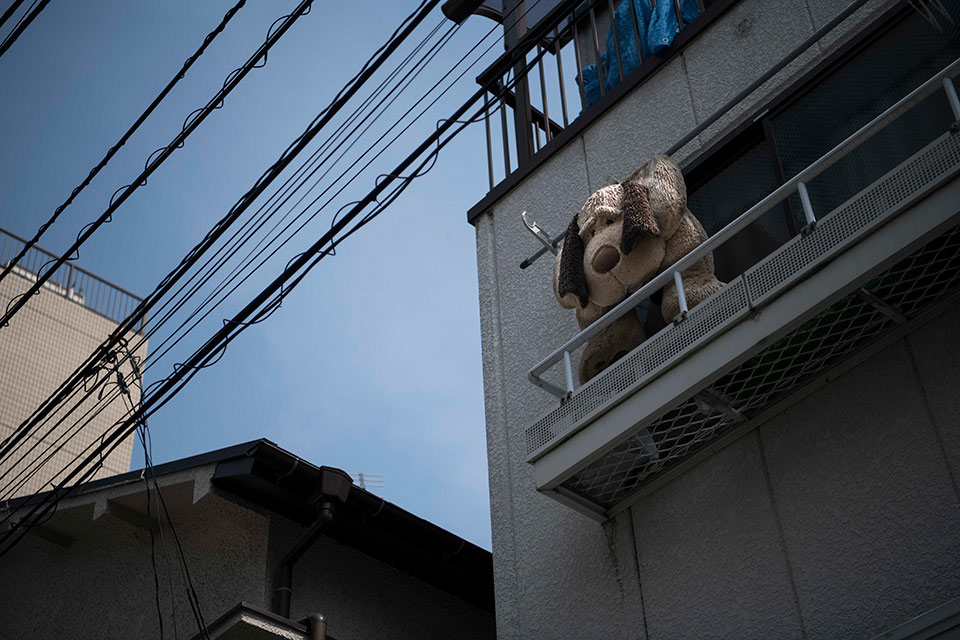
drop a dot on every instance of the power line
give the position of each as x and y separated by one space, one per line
363 222
10 11
43 439
93 362
157 157
208 39
32 12
265 304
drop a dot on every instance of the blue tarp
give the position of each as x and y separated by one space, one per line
657 27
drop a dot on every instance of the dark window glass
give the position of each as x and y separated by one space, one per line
875 78
719 194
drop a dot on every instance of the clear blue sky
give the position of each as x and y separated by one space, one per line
373 364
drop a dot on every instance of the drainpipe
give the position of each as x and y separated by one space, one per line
317 626
334 486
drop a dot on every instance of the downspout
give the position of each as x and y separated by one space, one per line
334 487
284 587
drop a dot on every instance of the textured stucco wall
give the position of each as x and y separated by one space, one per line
709 555
101 584
88 573
362 598
43 344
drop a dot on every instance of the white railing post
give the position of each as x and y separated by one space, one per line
811 219
681 298
784 191
568 372
953 99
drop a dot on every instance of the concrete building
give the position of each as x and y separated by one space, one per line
370 568
782 461
44 343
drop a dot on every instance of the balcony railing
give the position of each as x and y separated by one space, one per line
73 283
584 61
642 416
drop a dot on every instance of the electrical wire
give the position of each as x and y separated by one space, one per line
267 302
159 156
9 12
207 40
96 359
44 439
365 221
212 353
22 25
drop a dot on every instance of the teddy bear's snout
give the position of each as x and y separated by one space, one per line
605 259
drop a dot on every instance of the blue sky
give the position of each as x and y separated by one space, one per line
373 364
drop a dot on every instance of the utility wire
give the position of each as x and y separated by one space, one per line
359 172
22 25
272 307
126 136
268 300
95 360
10 11
44 438
368 163
156 159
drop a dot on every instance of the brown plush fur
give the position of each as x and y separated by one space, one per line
646 220
610 345
572 279
638 217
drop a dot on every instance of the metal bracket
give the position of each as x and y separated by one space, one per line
926 10
708 401
539 234
882 306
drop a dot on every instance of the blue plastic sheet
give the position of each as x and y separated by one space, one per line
657 26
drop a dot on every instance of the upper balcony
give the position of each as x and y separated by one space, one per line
73 283
570 65
832 215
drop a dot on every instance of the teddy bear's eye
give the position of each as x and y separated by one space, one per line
609 220
593 232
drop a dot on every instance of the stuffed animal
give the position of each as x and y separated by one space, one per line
624 236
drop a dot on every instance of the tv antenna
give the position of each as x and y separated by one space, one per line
368 480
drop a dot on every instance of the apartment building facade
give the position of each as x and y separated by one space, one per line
68 318
780 460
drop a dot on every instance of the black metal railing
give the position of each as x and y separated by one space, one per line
73 283
595 46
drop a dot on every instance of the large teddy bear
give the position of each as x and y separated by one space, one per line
624 236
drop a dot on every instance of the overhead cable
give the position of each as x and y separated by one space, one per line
257 60
126 136
9 12
13 485
32 12
94 361
262 306
369 217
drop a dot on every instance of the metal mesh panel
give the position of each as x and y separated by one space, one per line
765 280
926 276
743 180
800 255
843 101
706 319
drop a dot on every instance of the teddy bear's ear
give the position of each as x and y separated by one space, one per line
572 279
638 217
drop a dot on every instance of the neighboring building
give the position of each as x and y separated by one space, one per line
373 570
783 462
44 343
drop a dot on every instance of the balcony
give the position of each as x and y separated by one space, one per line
572 65
73 283
852 279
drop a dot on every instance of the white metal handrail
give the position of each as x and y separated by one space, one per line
796 184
